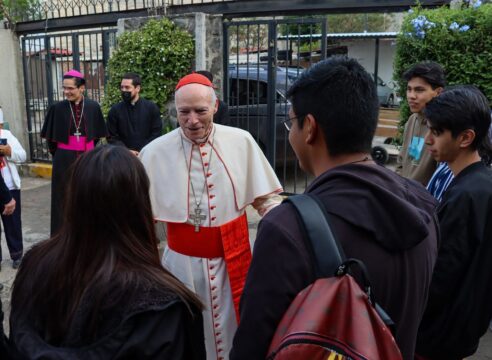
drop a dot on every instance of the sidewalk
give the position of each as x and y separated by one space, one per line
36 224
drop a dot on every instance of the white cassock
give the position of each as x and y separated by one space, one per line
228 172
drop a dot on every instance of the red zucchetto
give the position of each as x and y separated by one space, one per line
193 79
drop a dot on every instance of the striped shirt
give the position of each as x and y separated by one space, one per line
440 180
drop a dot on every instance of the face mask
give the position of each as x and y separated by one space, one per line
126 96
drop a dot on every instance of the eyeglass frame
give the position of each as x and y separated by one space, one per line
288 122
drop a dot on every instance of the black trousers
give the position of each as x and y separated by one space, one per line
12 226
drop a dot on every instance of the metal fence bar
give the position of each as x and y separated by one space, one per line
52 9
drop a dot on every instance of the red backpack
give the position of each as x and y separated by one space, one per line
332 319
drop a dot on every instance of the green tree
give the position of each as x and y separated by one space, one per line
16 10
346 23
460 39
160 52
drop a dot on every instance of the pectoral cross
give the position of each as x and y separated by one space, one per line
77 133
197 218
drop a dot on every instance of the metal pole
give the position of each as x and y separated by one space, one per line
26 92
376 63
272 92
225 62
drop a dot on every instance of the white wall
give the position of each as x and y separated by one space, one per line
12 98
364 51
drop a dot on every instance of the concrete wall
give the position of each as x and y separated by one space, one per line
12 98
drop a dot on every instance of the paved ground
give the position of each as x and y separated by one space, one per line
35 218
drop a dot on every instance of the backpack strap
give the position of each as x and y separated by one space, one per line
320 240
323 246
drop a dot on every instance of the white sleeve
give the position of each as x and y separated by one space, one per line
18 154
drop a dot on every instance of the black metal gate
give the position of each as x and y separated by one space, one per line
46 58
262 58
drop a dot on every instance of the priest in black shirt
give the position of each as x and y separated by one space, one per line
135 121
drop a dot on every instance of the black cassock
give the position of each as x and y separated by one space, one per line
134 125
459 307
58 126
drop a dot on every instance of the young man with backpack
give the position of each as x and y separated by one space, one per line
377 216
459 308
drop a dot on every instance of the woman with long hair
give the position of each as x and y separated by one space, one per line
97 289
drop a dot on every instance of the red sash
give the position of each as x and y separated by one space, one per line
230 241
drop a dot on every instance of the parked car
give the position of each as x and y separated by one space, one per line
386 93
248 108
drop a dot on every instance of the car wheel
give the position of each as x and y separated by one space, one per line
379 155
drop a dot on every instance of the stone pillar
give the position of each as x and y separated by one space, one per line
12 96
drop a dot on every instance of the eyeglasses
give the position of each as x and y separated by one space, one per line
288 122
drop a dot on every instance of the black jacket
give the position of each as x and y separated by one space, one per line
460 297
156 324
378 217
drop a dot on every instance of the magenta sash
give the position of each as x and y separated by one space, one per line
77 145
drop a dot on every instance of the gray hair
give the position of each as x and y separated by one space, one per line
212 91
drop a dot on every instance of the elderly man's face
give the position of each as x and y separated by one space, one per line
195 107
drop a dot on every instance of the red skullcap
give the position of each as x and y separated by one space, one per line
74 73
194 79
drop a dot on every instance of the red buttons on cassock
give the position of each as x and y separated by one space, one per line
213 218
214 288
212 196
211 267
202 145
212 278
216 306
214 297
212 207
216 316
211 186
216 325
205 164
209 174
204 153
217 333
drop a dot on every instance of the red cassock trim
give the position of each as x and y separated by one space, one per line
229 241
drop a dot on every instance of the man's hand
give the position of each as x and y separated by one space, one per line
9 207
5 150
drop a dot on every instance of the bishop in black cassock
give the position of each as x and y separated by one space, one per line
71 127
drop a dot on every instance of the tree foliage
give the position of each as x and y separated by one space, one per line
459 39
160 52
16 10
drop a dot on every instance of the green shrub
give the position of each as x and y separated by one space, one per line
459 39
160 52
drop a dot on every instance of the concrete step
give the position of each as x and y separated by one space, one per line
36 170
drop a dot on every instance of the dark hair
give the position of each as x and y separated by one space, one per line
206 73
135 78
430 71
107 247
460 108
78 81
342 97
